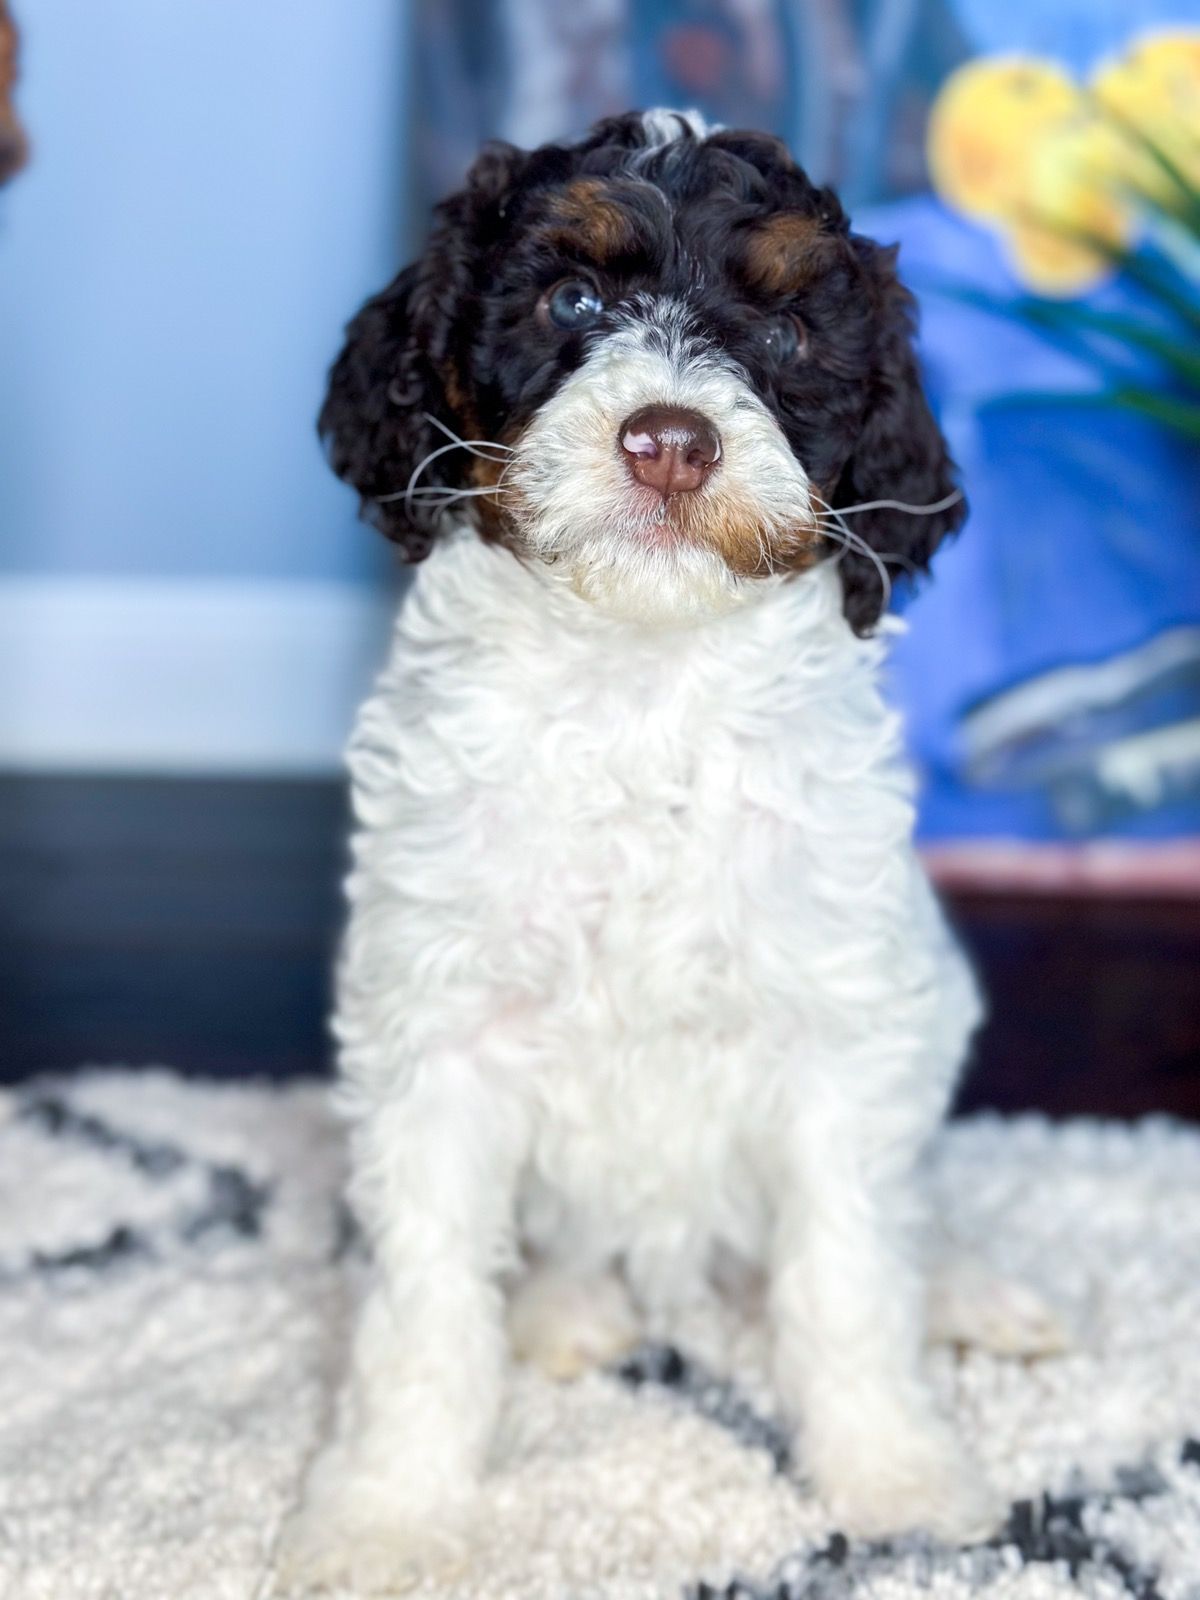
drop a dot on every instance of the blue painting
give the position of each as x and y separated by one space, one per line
1039 164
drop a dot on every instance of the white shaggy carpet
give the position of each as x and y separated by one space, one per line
174 1264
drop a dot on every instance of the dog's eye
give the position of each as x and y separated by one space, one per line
571 305
786 337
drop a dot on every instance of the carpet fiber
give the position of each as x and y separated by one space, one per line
175 1273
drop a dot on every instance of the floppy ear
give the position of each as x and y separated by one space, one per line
900 455
406 354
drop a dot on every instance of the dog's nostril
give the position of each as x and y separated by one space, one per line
669 449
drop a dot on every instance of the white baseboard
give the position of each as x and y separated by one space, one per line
153 675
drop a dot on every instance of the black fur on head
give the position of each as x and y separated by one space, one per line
728 225
407 357
899 454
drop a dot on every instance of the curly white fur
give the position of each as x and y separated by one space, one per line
641 965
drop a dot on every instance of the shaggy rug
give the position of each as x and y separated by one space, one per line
174 1274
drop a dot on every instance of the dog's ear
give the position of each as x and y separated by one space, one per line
899 455
406 358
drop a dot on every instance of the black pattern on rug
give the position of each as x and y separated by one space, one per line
713 1397
1050 1531
176 1296
234 1205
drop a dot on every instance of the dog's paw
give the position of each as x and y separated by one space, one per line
565 1323
921 1481
972 1304
329 1546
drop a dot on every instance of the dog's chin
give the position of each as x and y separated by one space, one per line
641 570
657 585
638 560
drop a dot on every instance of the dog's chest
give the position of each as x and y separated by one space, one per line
643 848
634 865
638 828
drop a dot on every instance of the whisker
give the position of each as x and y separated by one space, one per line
851 541
858 542
509 465
444 494
902 505
439 492
406 493
490 444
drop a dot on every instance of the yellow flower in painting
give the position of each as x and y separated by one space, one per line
1070 212
986 122
1155 88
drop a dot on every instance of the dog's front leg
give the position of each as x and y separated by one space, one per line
847 1309
389 1498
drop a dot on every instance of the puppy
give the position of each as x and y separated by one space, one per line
641 964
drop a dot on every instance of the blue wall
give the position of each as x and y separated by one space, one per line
215 185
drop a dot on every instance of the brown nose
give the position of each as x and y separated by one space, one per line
669 449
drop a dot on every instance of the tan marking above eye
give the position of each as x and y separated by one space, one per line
593 220
784 252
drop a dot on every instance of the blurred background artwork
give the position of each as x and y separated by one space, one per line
211 190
